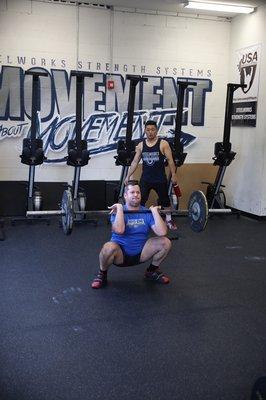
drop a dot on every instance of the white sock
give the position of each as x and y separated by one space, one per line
168 217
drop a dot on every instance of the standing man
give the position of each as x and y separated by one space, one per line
153 152
129 244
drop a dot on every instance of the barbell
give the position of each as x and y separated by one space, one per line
197 212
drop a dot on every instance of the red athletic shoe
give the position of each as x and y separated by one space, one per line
157 276
99 281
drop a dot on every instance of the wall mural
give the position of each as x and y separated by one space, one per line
104 110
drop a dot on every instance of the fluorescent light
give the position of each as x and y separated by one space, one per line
213 6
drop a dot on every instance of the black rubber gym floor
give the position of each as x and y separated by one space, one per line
201 337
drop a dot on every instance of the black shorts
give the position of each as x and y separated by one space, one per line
160 188
129 260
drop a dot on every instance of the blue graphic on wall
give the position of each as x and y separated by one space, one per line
104 111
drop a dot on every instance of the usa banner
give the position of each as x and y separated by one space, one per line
244 111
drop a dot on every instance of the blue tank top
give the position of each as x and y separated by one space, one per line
153 168
137 228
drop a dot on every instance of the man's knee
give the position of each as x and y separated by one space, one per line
109 249
166 243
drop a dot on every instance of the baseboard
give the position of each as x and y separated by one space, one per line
249 215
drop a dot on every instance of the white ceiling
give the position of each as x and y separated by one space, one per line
172 6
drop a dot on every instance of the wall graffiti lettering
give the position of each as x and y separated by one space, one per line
104 111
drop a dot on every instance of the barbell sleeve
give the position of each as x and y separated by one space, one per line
40 213
220 211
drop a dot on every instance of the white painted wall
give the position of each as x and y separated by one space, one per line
245 178
58 36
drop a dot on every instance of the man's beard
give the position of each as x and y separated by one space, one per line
134 203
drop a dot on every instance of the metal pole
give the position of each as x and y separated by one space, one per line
121 182
35 101
217 183
80 75
134 80
179 112
231 87
76 182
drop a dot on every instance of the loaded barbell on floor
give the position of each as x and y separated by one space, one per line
197 212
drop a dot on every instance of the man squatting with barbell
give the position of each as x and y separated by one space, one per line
129 244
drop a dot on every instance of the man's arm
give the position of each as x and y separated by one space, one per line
118 224
159 227
134 163
167 152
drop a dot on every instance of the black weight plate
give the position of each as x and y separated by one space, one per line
197 211
67 209
259 389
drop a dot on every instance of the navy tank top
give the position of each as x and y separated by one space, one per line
153 169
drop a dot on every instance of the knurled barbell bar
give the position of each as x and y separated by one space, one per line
197 212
